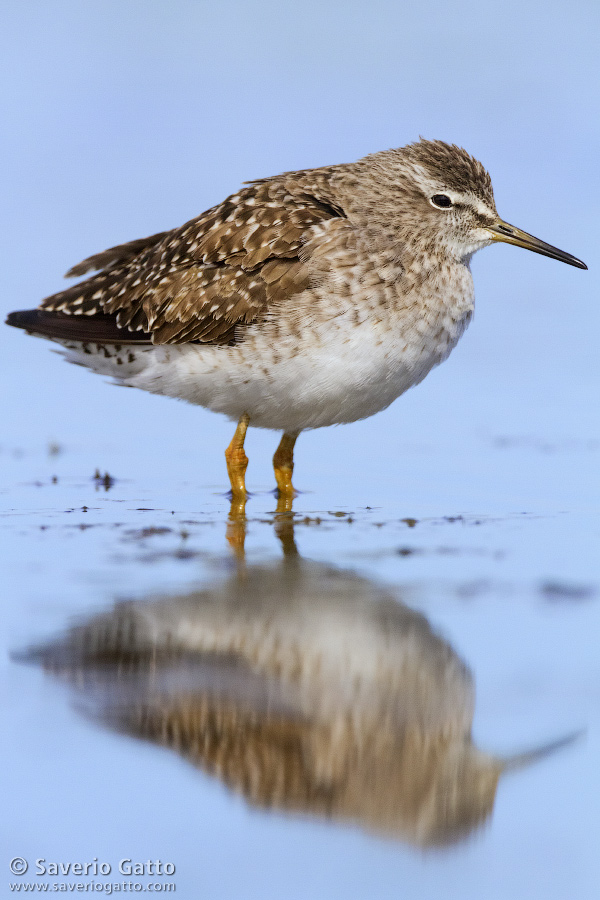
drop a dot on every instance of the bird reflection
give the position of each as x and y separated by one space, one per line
303 687
283 522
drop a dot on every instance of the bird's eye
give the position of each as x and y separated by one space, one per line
442 201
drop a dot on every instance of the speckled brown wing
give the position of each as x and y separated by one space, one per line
206 280
115 255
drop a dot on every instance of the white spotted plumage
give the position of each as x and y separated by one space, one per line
304 300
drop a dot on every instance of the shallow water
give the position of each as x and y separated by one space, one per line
296 718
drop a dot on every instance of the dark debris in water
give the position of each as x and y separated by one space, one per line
141 534
105 481
562 591
449 551
180 553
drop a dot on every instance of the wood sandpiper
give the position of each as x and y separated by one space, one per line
307 299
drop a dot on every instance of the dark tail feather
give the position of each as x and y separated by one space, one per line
61 326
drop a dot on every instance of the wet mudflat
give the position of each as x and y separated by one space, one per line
396 694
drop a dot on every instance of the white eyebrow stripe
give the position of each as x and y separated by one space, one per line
481 207
431 186
474 202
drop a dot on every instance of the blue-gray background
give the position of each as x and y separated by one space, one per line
125 118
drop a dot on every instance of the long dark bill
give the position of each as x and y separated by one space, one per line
508 234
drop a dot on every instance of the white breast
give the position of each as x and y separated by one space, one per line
344 358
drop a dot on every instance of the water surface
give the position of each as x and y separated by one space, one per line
351 697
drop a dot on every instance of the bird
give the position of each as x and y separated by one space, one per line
311 298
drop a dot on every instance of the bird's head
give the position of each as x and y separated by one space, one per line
437 197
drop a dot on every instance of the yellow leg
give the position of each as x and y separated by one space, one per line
237 461
283 464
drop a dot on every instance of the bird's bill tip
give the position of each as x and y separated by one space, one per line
509 234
